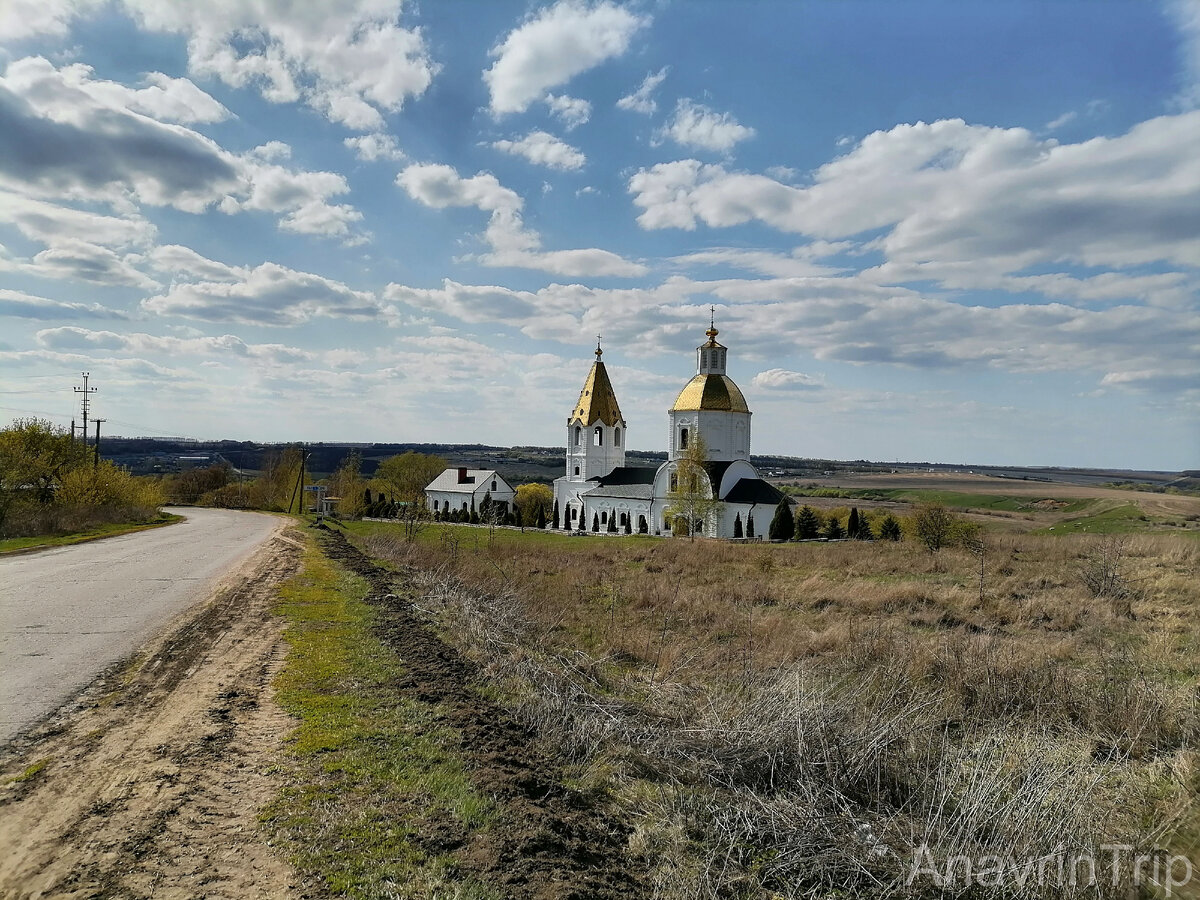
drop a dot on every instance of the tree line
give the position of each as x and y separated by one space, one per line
51 483
931 524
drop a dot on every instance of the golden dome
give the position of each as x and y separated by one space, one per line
711 392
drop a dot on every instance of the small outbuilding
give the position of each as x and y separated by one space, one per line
463 489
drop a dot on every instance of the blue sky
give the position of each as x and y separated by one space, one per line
946 231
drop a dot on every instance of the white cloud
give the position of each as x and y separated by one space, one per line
642 100
26 18
695 125
373 147
88 262
74 338
349 59
512 244
544 150
177 260
164 98
553 46
954 192
61 138
26 306
784 380
571 111
267 294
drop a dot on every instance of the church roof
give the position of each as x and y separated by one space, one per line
626 475
753 490
622 492
597 400
711 392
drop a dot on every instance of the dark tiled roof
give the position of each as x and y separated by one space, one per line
626 475
753 490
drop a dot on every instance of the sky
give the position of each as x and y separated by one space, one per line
963 232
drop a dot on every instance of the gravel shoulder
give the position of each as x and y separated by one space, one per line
151 783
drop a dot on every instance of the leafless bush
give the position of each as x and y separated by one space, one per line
1104 574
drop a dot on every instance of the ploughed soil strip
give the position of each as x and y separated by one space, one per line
547 842
152 783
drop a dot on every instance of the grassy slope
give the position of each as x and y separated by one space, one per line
366 764
27 544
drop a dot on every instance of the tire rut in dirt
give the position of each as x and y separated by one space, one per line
549 842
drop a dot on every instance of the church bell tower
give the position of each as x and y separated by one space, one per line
596 432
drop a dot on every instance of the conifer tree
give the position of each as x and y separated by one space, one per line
595 522
865 533
556 516
782 525
737 526
541 518
750 525
612 524
852 523
808 526
833 529
628 525
889 529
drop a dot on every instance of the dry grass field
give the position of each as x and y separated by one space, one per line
799 720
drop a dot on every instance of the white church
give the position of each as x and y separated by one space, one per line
599 489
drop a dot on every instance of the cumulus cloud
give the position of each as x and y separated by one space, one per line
695 125
84 261
25 18
349 59
571 111
784 380
544 150
642 100
26 306
373 147
61 138
553 46
951 192
267 294
164 98
512 244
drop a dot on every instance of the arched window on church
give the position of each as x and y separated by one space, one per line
598 436
577 470
578 435
493 485
683 438
616 437
574 513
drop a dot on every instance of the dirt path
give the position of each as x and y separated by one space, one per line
550 843
150 785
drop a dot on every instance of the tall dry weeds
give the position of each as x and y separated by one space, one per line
814 774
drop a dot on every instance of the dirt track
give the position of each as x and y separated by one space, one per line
152 785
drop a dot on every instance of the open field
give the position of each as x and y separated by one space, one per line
1011 504
789 720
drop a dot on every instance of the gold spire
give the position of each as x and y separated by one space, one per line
712 328
597 400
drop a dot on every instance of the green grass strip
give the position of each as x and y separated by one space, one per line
367 768
29 544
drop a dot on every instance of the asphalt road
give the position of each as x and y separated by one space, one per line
68 613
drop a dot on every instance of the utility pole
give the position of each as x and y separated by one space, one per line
96 463
85 400
72 431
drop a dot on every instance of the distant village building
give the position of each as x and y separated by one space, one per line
598 487
463 489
